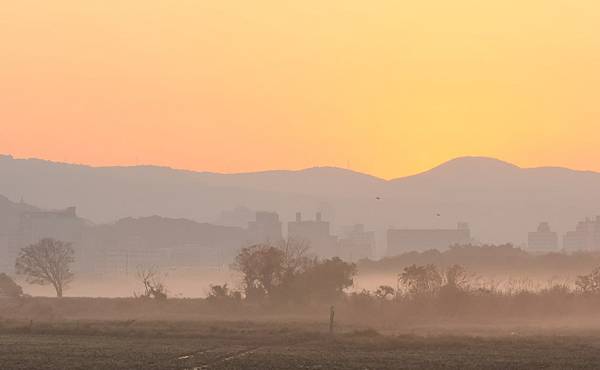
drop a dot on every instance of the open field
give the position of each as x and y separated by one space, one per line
554 329
271 345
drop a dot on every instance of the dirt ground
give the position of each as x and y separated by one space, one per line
253 345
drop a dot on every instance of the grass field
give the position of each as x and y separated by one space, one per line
267 345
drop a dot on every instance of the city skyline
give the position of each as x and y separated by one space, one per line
281 184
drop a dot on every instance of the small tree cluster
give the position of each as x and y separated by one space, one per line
223 296
427 280
153 282
285 273
47 262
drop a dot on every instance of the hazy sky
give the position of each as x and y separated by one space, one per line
386 87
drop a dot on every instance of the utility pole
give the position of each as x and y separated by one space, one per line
331 317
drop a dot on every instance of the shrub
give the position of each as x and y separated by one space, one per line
589 283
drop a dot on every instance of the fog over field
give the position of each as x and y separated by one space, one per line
322 267
268 185
190 225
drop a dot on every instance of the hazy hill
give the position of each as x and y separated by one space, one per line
190 242
157 232
10 213
489 260
500 201
104 194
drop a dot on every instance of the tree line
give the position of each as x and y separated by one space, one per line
273 274
276 273
287 273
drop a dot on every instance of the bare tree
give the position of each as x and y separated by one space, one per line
295 256
47 262
153 282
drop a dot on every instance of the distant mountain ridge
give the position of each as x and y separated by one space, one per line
501 201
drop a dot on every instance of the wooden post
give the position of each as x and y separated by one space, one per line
331 317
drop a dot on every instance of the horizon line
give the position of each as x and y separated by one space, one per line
301 169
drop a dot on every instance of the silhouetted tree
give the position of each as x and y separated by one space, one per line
47 262
456 277
153 282
453 293
421 280
295 257
286 273
222 296
261 266
326 280
296 261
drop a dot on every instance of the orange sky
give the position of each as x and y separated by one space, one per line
387 87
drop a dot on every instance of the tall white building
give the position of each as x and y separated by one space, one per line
356 243
266 228
543 239
586 236
314 232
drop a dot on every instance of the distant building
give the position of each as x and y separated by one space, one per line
61 225
585 237
405 240
266 228
356 243
542 240
164 242
237 217
314 232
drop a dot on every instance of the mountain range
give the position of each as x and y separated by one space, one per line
500 201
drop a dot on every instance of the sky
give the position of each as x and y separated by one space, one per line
387 87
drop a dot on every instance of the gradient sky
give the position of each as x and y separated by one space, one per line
385 87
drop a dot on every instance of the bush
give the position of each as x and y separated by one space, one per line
284 274
223 296
589 283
